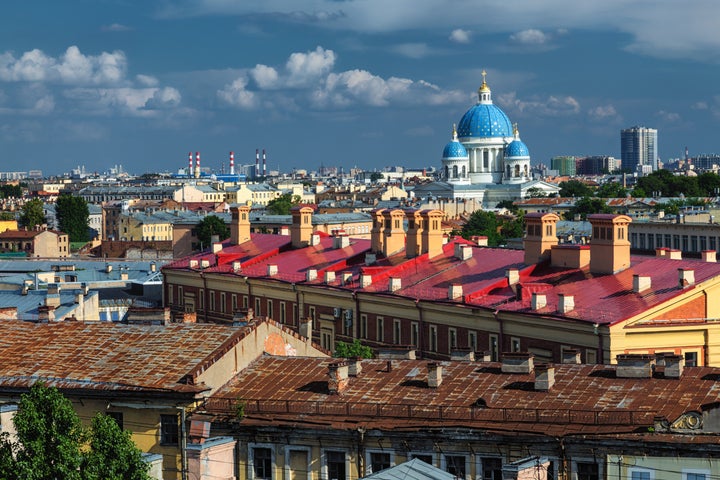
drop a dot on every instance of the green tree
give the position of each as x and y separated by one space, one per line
354 349
535 192
112 455
709 183
574 188
586 206
7 191
508 205
209 226
32 213
52 444
73 215
49 437
7 216
375 176
282 204
611 190
485 224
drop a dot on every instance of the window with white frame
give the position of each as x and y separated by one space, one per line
377 460
491 468
494 348
637 473
222 302
514 344
257 307
415 334
397 332
363 326
260 462
455 465
695 474
380 333
472 341
334 465
452 339
433 338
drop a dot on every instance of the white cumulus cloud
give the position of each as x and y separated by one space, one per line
553 105
460 36
304 68
236 94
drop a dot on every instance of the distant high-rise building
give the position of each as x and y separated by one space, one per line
638 149
564 165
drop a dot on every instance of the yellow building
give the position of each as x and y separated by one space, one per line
147 376
8 225
410 285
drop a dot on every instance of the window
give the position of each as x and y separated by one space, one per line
117 416
257 306
587 471
363 326
472 341
169 430
452 339
335 464
491 468
233 300
514 344
379 461
641 474
590 356
695 474
455 465
245 301
691 359
494 348
201 299
397 334
283 314
415 334
212 300
380 335
433 338
261 466
425 457
222 302
181 296
270 309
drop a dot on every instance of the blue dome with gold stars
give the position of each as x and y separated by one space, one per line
454 149
516 149
484 120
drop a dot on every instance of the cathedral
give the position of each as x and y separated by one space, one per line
485 159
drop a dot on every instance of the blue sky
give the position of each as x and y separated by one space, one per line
367 83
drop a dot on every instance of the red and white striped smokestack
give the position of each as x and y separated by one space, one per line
257 162
197 165
190 163
264 164
232 163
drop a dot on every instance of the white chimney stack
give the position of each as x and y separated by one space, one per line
232 163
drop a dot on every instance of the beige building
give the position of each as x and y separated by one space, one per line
36 243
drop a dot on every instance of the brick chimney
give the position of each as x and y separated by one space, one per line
393 231
674 365
434 374
686 277
540 236
338 377
414 244
432 236
376 233
301 229
544 377
635 366
354 366
517 362
566 303
610 244
240 224
641 283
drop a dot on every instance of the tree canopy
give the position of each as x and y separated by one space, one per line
497 229
664 183
33 213
587 205
8 190
574 188
73 216
354 349
51 443
282 204
209 226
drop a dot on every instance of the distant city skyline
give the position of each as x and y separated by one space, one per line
345 83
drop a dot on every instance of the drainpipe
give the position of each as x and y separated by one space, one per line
421 326
205 297
183 444
356 322
501 332
601 346
361 452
